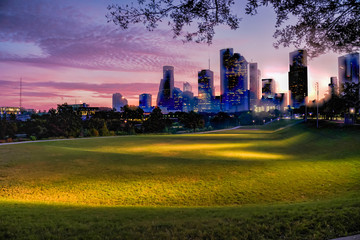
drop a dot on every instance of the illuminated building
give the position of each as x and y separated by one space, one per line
348 69
145 101
216 104
233 81
84 110
187 98
177 99
255 75
118 101
205 90
7 111
298 78
166 88
187 101
268 88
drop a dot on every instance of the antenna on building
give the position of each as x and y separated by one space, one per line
209 63
20 92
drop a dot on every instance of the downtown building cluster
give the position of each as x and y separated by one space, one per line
241 87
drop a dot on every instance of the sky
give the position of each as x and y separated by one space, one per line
66 51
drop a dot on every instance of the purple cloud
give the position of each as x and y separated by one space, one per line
69 38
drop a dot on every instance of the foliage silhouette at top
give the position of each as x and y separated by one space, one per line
322 25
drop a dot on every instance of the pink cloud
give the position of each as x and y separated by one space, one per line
67 38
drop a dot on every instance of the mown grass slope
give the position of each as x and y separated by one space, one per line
231 183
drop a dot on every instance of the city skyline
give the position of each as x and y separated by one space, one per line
92 60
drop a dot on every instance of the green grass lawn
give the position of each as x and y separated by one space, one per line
297 183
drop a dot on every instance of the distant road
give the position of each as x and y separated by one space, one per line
355 237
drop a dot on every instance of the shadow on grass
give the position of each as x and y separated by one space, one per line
314 220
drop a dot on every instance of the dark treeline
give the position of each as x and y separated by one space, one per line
65 122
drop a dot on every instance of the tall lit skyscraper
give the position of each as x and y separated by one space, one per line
348 69
225 54
233 81
255 76
177 99
187 98
145 101
118 101
205 90
165 95
298 78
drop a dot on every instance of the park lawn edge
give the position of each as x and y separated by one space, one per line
323 219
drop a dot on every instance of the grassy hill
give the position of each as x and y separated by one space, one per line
297 183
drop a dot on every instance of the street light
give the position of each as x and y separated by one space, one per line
352 111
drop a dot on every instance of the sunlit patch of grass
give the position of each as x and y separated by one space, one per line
164 149
248 155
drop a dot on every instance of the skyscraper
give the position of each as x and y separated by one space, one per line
268 88
205 90
187 101
255 76
187 98
177 99
118 101
187 87
333 86
165 95
298 78
348 69
233 81
145 101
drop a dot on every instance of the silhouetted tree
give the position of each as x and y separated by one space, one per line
192 120
245 118
350 95
333 107
130 113
155 122
321 25
64 122
8 126
220 120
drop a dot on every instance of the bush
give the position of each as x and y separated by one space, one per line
104 131
86 133
94 132
32 138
